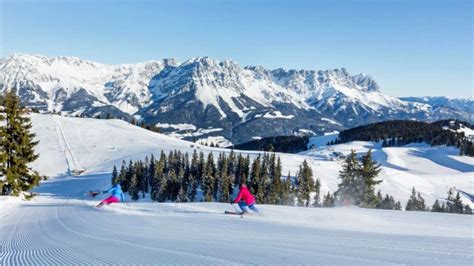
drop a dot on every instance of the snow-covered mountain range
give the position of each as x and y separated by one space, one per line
202 97
442 107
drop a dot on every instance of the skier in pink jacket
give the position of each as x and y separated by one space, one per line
245 199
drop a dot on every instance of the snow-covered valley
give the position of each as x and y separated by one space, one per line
61 226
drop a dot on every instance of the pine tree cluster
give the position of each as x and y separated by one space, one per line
178 178
287 144
16 147
453 204
387 202
402 132
416 202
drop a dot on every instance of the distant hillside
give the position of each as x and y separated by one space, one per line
403 132
287 144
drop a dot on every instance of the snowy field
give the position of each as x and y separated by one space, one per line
61 226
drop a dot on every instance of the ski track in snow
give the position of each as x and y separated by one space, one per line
72 162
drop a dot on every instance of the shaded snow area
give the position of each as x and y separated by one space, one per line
316 142
61 226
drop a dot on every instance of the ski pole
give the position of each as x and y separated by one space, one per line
234 207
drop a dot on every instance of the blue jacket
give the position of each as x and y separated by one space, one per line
116 191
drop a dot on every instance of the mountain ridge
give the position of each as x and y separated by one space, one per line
219 98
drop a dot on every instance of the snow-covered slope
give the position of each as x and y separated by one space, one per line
60 226
68 144
432 170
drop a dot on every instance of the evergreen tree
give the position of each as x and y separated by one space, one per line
317 193
114 176
255 176
16 148
298 187
305 184
457 206
467 209
173 184
276 186
346 193
140 172
449 200
239 170
224 183
162 192
246 168
201 168
263 182
437 207
285 193
421 202
145 180
128 177
156 181
328 200
192 188
182 196
415 202
194 168
378 200
398 206
387 202
368 171
231 164
208 179
122 173
134 187
151 173
411 203
221 168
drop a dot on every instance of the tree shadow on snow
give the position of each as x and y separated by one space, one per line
382 158
74 187
444 160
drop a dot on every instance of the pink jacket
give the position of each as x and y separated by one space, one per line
246 196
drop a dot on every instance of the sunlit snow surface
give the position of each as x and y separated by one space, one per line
62 226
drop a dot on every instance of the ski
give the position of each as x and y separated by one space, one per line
234 213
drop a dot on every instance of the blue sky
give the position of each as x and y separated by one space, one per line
410 47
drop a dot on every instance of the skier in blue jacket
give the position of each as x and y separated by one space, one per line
116 195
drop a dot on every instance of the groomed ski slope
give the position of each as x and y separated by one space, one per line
61 226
